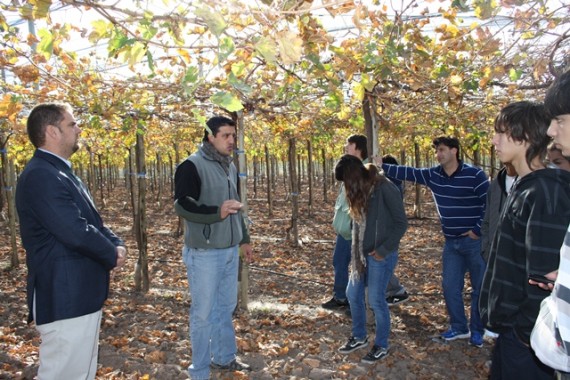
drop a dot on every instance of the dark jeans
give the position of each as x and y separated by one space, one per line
341 261
514 360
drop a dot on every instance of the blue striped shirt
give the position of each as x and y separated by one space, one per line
460 198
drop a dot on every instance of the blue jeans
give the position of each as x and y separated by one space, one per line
377 275
212 277
460 255
341 261
394 287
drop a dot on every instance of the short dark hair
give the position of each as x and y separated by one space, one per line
361 144
449 141
214 124
528 122
389 159
557 100
42 115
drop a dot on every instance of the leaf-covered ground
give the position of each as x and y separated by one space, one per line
285 334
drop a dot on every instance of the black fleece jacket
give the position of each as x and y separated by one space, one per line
531 230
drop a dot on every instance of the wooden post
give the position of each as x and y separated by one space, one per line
142 282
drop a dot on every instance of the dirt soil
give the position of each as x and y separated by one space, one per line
284 334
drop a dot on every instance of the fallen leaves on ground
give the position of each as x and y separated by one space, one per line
284 333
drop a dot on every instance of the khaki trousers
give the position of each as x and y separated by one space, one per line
69 348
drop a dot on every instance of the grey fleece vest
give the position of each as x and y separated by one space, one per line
216 188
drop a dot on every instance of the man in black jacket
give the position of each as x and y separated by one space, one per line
531 230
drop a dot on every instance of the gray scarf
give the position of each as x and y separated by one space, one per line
212 153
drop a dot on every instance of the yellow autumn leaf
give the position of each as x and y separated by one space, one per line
452 30
358 90
345 112
456 80
9 107
368 81
290 47
184 55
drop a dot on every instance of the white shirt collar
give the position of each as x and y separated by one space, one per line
67 162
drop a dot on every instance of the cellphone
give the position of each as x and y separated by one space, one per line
540 278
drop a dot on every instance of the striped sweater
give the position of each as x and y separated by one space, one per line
460 198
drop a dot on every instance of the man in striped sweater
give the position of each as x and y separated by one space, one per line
460 191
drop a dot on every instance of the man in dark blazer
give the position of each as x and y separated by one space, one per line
69 252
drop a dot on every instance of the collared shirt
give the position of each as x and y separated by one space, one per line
67 162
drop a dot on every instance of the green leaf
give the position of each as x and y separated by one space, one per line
191 75
461 5
148 30
238 68
150 61
214 21
45 47
190 80
238 84
267 48
227 47
515 74
226 100
200 118
333 101
295 106
118 42
135 54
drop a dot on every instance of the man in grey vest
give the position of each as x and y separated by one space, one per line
206 196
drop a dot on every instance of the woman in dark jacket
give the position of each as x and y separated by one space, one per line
379 222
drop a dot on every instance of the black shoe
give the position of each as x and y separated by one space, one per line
334 303
394 300
353 344
234 365
375 354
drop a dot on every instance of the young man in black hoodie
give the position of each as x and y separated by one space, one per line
530 232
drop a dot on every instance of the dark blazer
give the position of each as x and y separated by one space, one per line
69 252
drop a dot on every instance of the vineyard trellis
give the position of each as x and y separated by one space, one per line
297 85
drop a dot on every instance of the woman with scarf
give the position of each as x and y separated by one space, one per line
379 222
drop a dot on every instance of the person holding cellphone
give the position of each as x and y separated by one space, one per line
550 338
530 230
